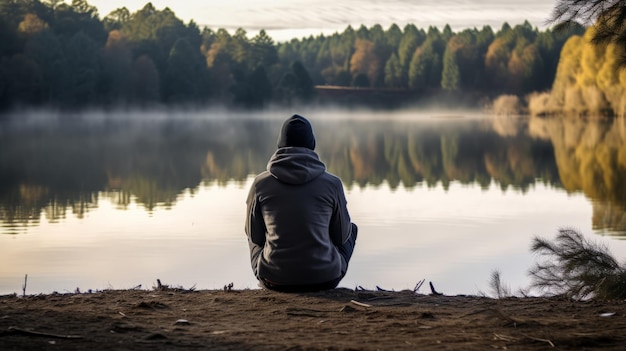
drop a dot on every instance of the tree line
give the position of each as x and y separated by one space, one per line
64 55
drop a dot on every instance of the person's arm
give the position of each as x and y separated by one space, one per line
255 225
340 227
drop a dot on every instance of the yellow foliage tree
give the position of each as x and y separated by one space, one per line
497 60
588 81
32 24
591 60
364 60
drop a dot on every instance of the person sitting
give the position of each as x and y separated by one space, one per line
299 230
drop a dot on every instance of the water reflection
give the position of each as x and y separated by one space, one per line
69 169
591 157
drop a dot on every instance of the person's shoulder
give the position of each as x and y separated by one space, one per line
332 178
263 175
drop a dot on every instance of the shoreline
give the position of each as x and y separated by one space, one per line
338 319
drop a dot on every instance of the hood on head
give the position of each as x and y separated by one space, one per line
295 165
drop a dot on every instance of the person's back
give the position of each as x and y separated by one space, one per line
298 226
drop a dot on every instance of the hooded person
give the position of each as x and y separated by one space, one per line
298 227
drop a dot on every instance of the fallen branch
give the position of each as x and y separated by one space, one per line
166 287
16 330
418 285
432 289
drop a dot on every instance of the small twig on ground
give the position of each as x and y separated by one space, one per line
17 330
360 303
433 291
504 337
24 286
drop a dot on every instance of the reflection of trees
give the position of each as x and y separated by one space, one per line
67 170
50 172
608 216
591 157
407 153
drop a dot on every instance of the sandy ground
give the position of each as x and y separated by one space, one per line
338 319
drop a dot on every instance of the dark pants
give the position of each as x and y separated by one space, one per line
345 251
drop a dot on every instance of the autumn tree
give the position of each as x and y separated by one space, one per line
31 25
609 17
364 60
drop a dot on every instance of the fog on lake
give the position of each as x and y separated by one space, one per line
104 201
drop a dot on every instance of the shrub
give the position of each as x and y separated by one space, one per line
577 268
506 105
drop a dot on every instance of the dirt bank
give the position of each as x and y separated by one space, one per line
333 320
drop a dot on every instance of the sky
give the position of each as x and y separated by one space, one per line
287 19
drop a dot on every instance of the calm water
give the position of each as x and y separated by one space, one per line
113 201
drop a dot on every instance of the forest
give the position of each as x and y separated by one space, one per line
59 55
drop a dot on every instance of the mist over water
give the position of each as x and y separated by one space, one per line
117 199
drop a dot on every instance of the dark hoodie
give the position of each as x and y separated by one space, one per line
296 218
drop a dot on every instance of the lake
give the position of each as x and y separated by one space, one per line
117 200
